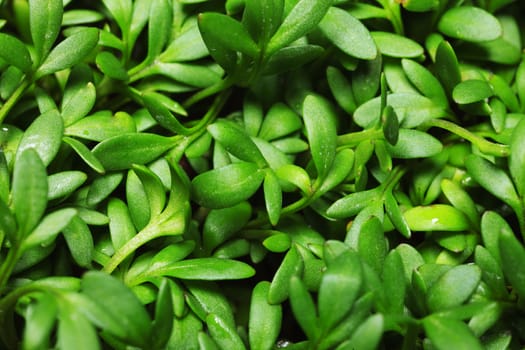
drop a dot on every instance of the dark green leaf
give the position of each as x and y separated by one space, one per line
291 57
395 215
292 265
111 66
79 95
390 125
366 79
265 319
153 187
447 66
425 82
348 34
341 168
69 52
341 89
303 17
319 119
85 154
420 5
227 186
371 244
272 197
44 135
15 53
163 322
469 23
120 152
121 10
219 30
29 193
262 18
303 308
45 20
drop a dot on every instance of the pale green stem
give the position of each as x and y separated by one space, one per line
13 99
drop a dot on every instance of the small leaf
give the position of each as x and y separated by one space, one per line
272 197
170 254
395 215
69 52
348 34
101 126
29 193
368 335
224 31
64 183
394 45
75 17
72 326
291 57
228 185
414 144
446 333
460 199
425 82
372 245
511 252
121 226
470 91
79 241
517 156
303 308
338 283
111 66
295 175
437 217
278 243
85 154
352 204
14 52
50 226
302 18
40 318
454 287
292 265
44 135
341 168
265 319
205 269
223 334
206 298
447 66
159 27
396 287
120 152
390 125
222 224
419 5
235 140
493 179
319 119
120 304
121 10
162 325
45 20
280 121
469 23
153 188
160 111
341 89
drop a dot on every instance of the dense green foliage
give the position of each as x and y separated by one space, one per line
261 174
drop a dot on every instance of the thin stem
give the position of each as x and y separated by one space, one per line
13 99
487 147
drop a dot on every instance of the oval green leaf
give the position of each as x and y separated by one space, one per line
437 217
469 23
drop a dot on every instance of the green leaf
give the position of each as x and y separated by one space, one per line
447 66
159 27
120 152
223 334
72 326
348 34
292 265
395 215
396 287
460 199
29 193
101 126
517 157
153 188
50 226
454 287
40 320
205 269
436 217
372 245
85 154
121 10
280 121
367 335
45 20
446 333
366 80
262 18
121 226
79 95
303 308
207 298
265 319
511 253
187 46
469 23
420 5
291 57
79 241
14 52
425 82
319 119
219 30
272 197
163 322
352 204
338 283
228 185
470 91
395 45
493 179
120 304
111 66
414 144
341 168
44 135
170 254
341 89
69 52
390 125
235 140
302 18
7 222
74 17
278 243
